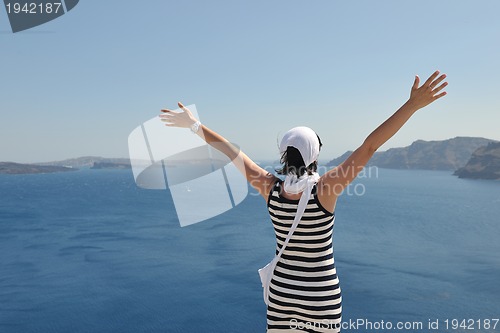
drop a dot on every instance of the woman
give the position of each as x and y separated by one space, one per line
304 293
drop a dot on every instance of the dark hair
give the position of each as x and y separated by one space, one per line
294 163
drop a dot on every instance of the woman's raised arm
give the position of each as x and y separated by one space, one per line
335 180
259 178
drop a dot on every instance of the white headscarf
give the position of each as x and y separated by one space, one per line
307 143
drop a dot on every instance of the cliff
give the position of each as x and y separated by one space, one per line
448 154
483 164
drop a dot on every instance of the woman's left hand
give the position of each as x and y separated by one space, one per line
178 119
428 92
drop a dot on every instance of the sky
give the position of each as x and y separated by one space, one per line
78 85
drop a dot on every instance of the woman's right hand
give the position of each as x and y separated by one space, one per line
178 119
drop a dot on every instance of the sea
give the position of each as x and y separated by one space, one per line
89 251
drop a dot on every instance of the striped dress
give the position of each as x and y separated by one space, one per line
304 294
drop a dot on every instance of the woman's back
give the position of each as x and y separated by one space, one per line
304 291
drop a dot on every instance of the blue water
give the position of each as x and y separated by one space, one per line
88 251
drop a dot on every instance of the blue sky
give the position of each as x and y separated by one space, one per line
80 84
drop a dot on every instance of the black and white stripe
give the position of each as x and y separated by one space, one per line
304 294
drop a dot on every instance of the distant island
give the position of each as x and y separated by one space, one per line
90 162
483 164
111 165
19 168
450 154
72 164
